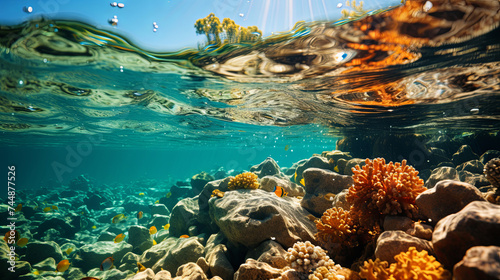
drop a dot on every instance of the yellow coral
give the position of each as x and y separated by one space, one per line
323 272
336 226
381 188
246 180
411 265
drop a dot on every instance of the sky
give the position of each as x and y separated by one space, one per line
176 18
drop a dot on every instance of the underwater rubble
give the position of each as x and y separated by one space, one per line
334 215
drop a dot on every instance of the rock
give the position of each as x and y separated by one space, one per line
203 264
159 221
315 161
218 262
153 254
80 183
20 267
446 198
163 275
106 236
473 166
38 251
478 224
249 217
336 155
438 155
64 228
183 251
440 174
270 252
139 238
184 214
446 163
340 200
391 243
48 264
319 183
477 180
111 274
147 274
214 240
253 269
205 195
351 163
479 263
95 201
402 223
268 167
488 155
420 230
190 271
198 181
159 209
268 183
93 254
129 262
106 215
463 154
341 164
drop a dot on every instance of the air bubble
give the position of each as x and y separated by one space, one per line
241 15
113 21
339 5
113 4
427 6
45 60
121 5
28 9
121 68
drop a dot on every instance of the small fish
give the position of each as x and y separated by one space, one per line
336 168
152 230
184 236
329 196
157 202
22 242
119 238
62 266
107 264
141 193
69 250
55 207
90 278
139 215
8 235
140 267
94 227
280 191
19 207
118 218
154 242
295 177
47 209
287 147
169 194
302 182
166 227
36 272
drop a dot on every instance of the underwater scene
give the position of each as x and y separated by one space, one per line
235 139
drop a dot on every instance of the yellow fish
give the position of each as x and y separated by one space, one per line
107 264
140 267
94 227
47 209
184 236
55 207
139 215
169 194
154 242
280 191
336 168
166 227
141 193
22 242
119 238
152 230
302 182
156 202
118 218
287 147
62 266
19 207
295 177
69 250
36 272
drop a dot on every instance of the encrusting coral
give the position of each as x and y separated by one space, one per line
385 189
411 265
336 226
246 180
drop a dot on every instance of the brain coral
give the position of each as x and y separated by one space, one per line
411 265
336 226
246 180
381 188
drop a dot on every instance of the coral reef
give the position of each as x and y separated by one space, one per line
492 173
336 226
304 257
409 265
246 180
386 189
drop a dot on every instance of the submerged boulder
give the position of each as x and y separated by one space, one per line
266 168
249 217
92 255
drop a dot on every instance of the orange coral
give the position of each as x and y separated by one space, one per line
336 226
246 180
375 270
386 189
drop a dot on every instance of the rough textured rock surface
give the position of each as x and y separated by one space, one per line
479 263
249 217
463 154
440 174
266 168
320 182
351 163
340 200
478 224
391 243
402 223
92 255
270 252
218 262
204 197
20 267
473 166
183 251
268 183
38 251
153 254
447 197
190 271
253 269
315 161
147 274
139 238
184 215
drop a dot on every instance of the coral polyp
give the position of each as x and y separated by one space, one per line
385 189
246 180
336 226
